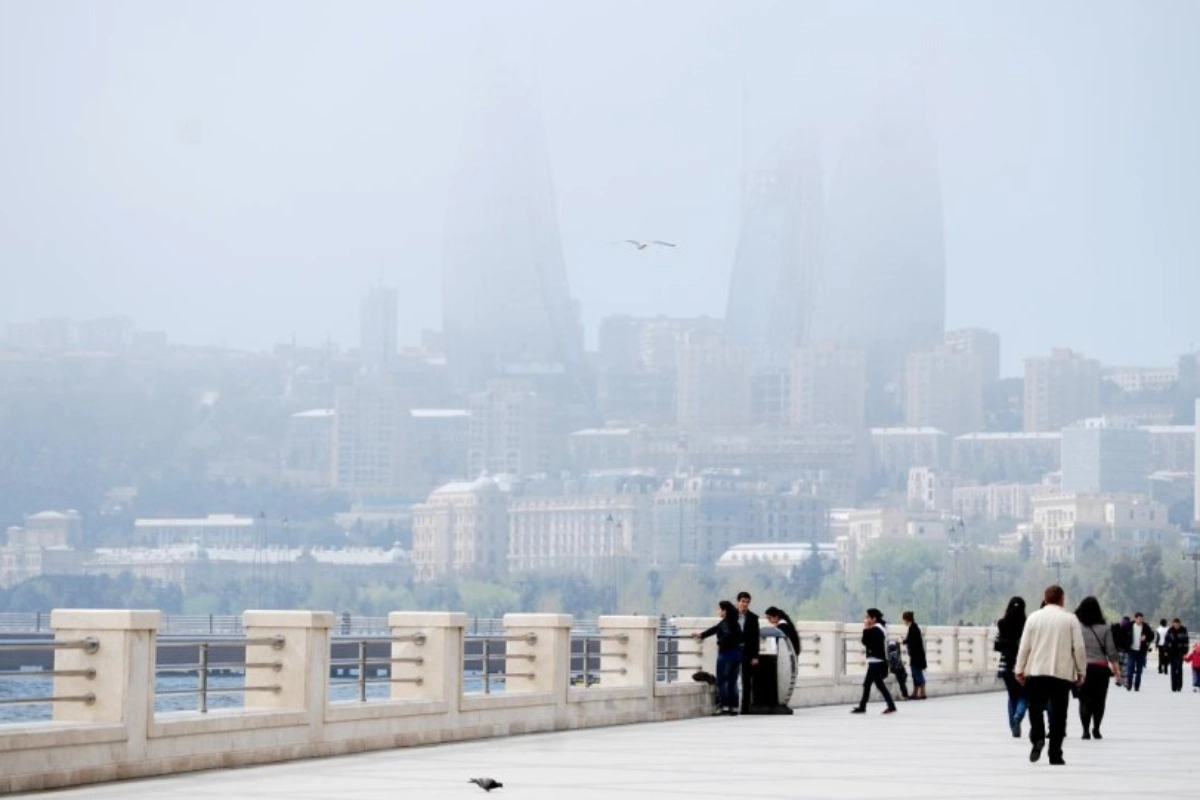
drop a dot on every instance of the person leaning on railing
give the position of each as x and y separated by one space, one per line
729 657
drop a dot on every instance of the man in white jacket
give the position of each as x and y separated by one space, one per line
1050 660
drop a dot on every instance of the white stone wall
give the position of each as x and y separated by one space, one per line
287 715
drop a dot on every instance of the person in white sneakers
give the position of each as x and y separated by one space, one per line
1050 659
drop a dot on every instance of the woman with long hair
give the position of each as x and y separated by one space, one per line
1103 663
1008 641
729 656
784 624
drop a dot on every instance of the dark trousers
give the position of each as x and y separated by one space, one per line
748 675
1093 697
729 664
901 681
1176 673
876 674
1048 695
1163 662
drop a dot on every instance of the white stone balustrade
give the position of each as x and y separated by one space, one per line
287 713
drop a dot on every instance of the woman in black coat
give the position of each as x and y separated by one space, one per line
729 656
1008 641
917 661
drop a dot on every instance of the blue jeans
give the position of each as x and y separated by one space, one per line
728 665
1135 662
918 676
1017 703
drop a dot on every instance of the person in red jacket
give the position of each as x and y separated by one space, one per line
1193 658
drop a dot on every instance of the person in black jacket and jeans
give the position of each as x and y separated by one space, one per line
874 639
748 622
1176 640
729 657
917 660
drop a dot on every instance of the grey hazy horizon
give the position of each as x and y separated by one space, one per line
235 173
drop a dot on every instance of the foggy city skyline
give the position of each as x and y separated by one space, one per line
235 175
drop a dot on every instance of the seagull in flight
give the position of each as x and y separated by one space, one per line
643 245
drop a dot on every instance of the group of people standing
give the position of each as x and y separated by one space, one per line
1052 654
737 635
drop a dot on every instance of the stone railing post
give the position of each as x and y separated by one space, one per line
821 653
629 653
436 638
981 648
123 660
303 680
539 645
950 651
850 653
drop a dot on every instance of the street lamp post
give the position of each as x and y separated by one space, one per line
1058 567
1194 557
990 569
937 594
875 578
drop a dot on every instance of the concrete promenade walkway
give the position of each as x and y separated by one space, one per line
955 747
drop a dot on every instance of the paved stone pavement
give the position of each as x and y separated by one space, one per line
956 747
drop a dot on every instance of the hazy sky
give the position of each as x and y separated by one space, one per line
235 172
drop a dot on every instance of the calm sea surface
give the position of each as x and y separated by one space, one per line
341 689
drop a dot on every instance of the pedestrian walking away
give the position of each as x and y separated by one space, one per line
874 639
1008 639
917 661
1177 648
1193 658
1102 666
1160 637
1050 660
729 656
748 622
1141 639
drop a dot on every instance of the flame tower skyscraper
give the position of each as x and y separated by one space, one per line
505 298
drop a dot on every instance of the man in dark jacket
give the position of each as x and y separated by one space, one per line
917 661
1141 639
874 639
748 621
1176 645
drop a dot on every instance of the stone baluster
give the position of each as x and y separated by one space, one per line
436 638
303 680
629 652
541 644
122 657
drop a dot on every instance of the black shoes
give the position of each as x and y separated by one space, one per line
1096 734
1086 736
1036 752
891 710
1057 762
858 710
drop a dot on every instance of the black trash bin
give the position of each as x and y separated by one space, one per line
775 677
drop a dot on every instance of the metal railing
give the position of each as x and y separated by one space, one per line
676 663
361 665
487 654
592 652
89 645
205 666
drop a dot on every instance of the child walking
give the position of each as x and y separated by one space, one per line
1193 658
